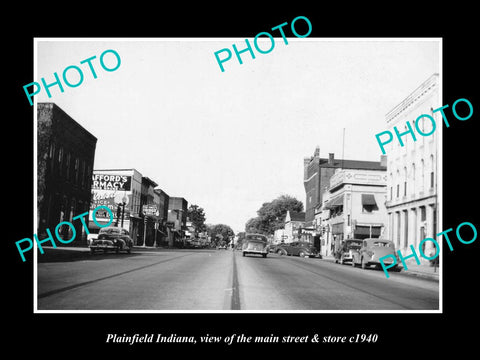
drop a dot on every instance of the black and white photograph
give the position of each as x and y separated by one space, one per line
261 187
240 182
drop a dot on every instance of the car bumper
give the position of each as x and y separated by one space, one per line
102 247
255 251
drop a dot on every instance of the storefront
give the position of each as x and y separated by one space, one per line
119 190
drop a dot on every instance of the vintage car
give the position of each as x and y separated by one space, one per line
112 238
346 251
372 250
297 248
255 244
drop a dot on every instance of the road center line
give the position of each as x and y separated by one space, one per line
235 303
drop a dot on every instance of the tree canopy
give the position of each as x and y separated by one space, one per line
271 215
220 233
197 216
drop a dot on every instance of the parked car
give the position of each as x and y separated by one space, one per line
297 248
372 250
112 238
349 247
90 237
255 244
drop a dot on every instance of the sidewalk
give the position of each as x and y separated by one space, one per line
424 270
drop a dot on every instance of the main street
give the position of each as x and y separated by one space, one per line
209 279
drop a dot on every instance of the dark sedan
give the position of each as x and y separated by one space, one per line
112 238
297 248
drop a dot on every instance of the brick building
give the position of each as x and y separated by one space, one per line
65 157
317 174
177 218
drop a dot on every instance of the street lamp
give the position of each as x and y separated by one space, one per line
123 203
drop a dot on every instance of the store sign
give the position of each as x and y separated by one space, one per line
111 182
110 199
150 209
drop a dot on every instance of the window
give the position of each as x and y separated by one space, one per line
82 174
422 172
51 150
60 154
60 160
423 213
75 171
398 190
432 175
413 178
67 166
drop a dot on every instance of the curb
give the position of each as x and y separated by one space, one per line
432 277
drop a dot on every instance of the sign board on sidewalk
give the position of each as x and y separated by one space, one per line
150 209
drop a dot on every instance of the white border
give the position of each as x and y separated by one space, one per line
439 188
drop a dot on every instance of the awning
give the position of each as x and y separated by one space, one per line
338 201
365 230
368 199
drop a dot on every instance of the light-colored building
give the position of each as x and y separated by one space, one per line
412 170
292 230
354 207
294 221
112 188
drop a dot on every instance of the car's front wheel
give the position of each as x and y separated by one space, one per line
301 254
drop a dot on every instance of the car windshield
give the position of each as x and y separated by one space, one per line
110 230
382 244
256 237
353 244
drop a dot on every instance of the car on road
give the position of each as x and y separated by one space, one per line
297 248
348 249
112 238
255 244
372 250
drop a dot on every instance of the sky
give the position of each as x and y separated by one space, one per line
230 141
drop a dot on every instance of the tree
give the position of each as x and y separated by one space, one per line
219 233
197 216
271 215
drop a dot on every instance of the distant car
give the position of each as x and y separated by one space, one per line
255 244
222 247
347 251
112 238
297 248
372 250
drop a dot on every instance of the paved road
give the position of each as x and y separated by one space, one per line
223 280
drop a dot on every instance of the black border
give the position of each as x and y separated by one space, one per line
84 334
